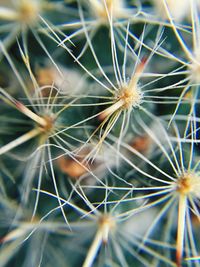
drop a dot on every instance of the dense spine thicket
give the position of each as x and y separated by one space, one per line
99 133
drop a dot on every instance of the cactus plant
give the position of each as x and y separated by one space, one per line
99 146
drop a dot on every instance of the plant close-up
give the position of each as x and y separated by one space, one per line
99 133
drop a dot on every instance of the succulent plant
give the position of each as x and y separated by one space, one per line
99 133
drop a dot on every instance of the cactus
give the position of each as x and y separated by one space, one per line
99 146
